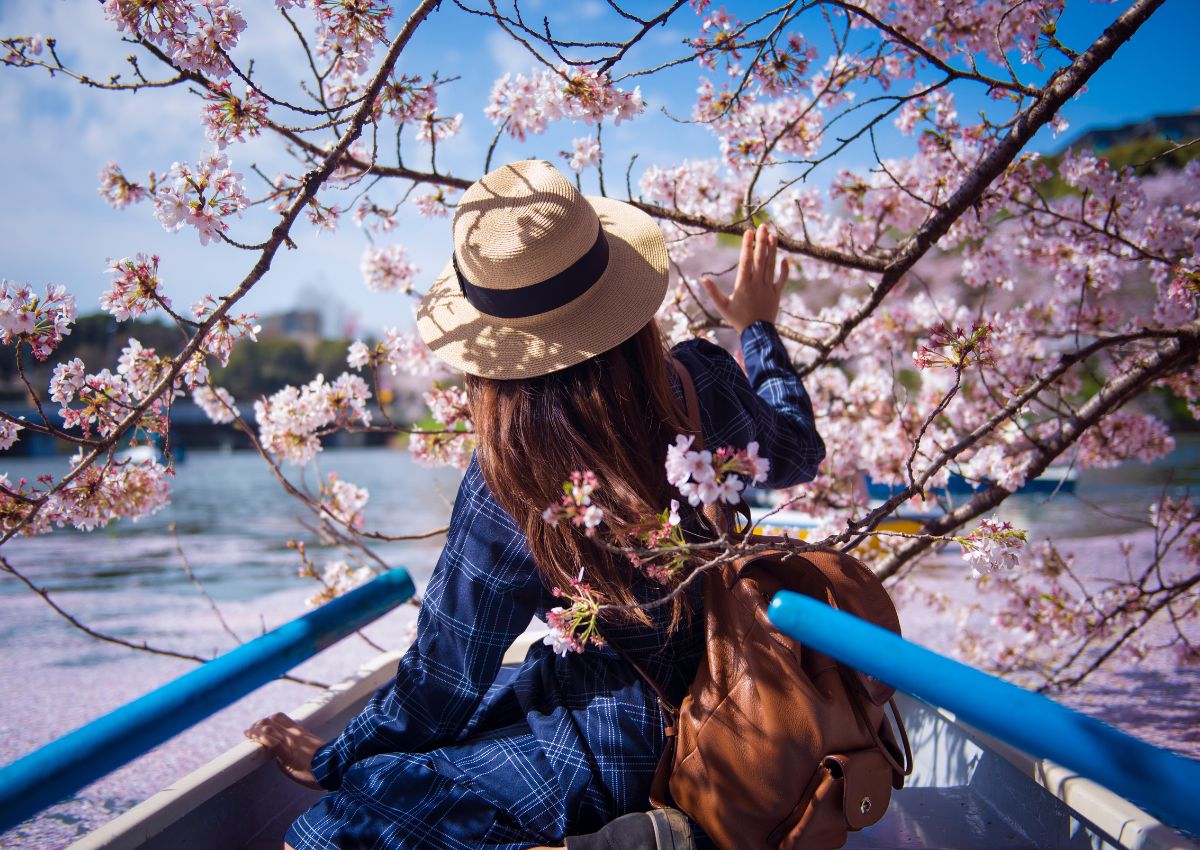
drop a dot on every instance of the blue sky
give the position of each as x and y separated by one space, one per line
58 136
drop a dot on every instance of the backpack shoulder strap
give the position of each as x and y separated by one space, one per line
691 404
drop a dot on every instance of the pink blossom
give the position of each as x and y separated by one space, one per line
135 288
8 434
292 420
106 492
228 118
39 322
448 406
388 269
66 381
585 153
433 205
436 128
119 191
993 545
202 197
226 331
338 578
216 402
344 501
401 353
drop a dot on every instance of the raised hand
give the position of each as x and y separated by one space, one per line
291 744
757 289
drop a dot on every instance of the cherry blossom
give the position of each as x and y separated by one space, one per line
584 153
337 578
993 545
290 422
8 434
102 493
388 269
227 330
344 501
216 402
576 506
119 191
203 197
135 288
707 477
39 322
229 119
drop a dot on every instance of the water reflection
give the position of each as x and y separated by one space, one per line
233 522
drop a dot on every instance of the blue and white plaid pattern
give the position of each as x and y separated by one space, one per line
456 752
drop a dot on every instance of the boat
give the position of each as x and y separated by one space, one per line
969 788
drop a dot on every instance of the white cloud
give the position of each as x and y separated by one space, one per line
509 56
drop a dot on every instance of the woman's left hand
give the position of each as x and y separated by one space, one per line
291 744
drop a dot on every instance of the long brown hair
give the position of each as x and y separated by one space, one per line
614 414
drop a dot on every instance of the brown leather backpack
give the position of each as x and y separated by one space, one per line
776 745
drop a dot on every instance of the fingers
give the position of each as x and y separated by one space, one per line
714 292
762 245
784 268
768 271
746 260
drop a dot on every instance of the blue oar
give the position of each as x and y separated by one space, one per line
1161 782
62 767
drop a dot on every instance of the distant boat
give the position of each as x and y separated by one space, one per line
1057 478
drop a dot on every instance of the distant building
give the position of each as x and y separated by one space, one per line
302 325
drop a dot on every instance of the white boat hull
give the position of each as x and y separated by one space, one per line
967 792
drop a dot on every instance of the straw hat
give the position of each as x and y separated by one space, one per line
542 277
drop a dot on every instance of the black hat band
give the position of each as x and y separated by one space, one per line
538 298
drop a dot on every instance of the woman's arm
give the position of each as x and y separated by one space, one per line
482 595
767 404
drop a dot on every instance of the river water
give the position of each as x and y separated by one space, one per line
233 521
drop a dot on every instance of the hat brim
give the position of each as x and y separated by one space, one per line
614 308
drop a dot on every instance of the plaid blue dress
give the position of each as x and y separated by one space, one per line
457 752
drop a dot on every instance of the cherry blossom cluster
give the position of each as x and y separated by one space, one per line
707 478
576 505
228 118
993 545
401 352
584 153
526 105
663 551
119 191
406 98
337 578
9 432
347 32
135 288
955 348
40 322
216 402
99 402
388 269
98 495
698 187
760 130
572 629
435 204
196 34
292 421
202 197
453 445
226 331
432 127
344 501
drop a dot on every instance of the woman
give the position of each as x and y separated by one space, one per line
548 306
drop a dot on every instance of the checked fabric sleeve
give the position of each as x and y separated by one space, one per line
482 595
767 403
